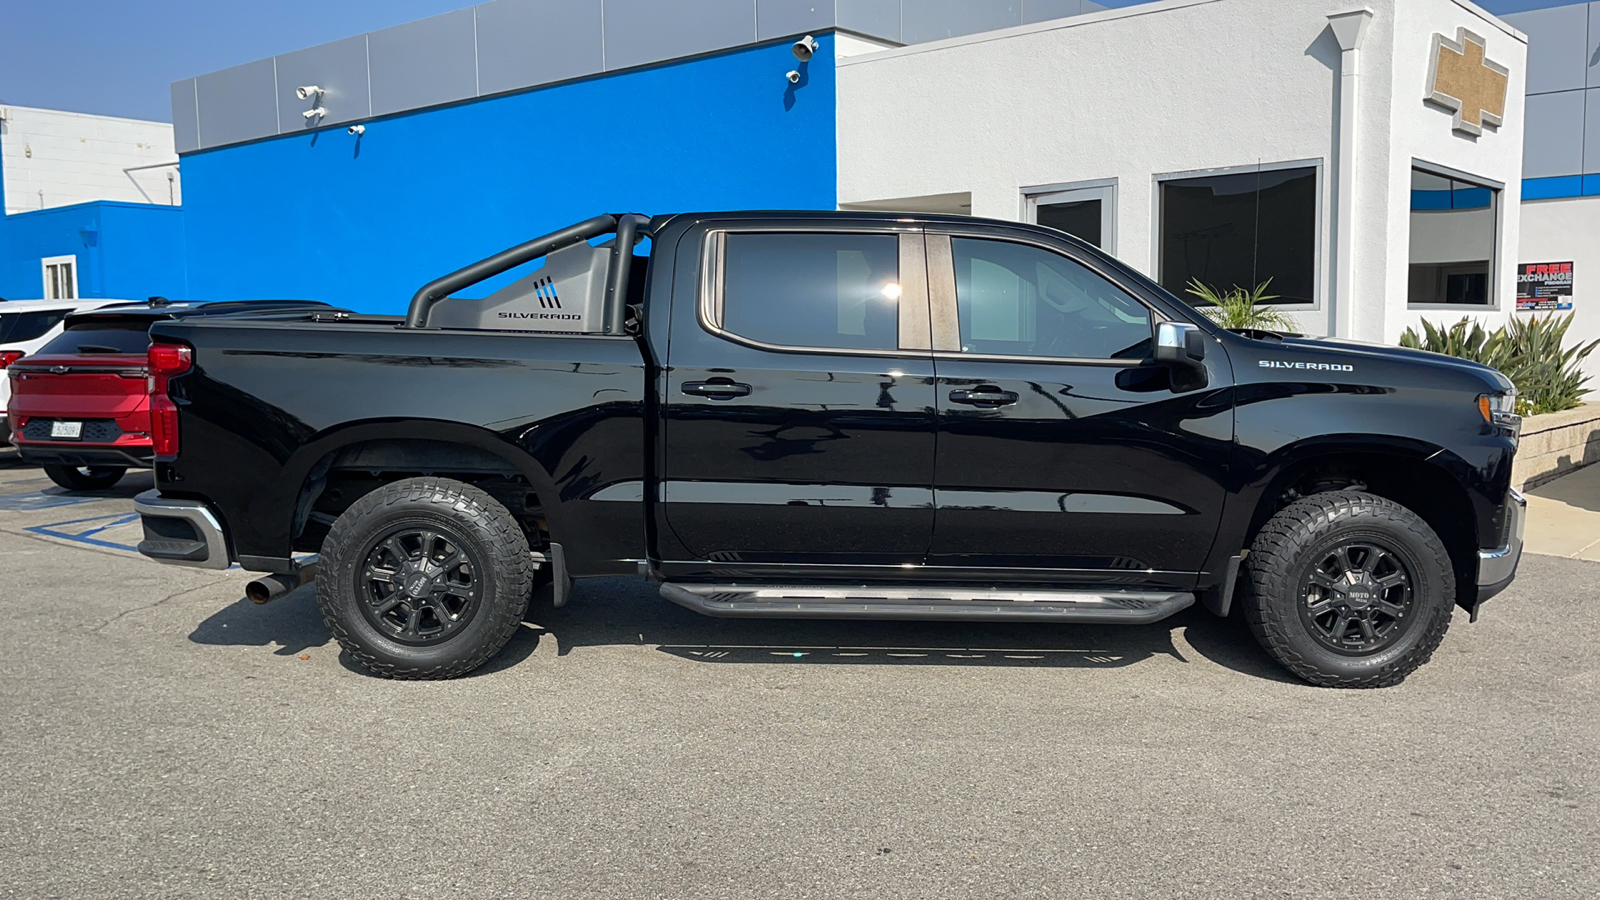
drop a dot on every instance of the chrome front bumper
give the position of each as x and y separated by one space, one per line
1496 567
181 532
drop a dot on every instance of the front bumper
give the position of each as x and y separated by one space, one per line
181 532
1496 568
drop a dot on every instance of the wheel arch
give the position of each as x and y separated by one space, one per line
413 447
1414 474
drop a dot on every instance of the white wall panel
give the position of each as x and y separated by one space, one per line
52 158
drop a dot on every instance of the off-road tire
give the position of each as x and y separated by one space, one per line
85 478
1288 545
487 530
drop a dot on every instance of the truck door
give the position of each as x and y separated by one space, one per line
799 399
1061 448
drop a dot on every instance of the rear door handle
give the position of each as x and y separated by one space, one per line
717 390
984 397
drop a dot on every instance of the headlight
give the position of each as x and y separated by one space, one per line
1500 410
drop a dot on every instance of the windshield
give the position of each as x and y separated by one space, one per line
100 337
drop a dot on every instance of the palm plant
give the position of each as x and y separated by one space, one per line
1240 310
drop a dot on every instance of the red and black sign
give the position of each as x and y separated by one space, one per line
1544 286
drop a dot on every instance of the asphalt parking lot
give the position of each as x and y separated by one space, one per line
163 737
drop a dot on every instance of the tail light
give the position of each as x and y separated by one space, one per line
165 361
7 357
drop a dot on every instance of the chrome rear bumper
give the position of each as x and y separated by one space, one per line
181 532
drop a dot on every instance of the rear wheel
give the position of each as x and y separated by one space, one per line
424 578
85 478
1348 589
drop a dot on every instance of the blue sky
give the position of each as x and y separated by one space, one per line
116 57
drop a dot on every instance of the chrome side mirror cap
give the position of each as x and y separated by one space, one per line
1179 343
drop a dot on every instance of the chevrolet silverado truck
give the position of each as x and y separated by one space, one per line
831 415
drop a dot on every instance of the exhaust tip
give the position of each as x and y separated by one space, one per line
268 588
263 590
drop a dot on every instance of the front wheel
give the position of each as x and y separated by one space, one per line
85 478
1348 589
424 578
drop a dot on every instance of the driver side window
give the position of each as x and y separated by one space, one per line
1021 300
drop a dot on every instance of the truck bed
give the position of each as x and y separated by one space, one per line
268 414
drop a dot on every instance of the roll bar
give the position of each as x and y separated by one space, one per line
629 228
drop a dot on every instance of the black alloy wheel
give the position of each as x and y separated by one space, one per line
1357 597
419 584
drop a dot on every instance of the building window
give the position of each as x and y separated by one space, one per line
60 277
1452 240
1085 211
813 290
1240 230
1021 300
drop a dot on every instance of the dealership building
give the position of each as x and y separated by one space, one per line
1377 161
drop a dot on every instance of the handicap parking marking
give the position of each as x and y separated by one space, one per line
85 531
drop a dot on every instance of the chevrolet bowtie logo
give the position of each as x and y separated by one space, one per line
1466 82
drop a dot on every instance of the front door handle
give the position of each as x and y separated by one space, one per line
984 396
716 390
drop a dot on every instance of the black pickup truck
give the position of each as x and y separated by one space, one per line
831 415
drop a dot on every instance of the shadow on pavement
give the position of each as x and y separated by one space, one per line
291 621
614 612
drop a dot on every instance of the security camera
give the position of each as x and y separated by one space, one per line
794 77
805 48
357 130
317 113
307 92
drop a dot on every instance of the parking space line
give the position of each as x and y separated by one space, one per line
87 536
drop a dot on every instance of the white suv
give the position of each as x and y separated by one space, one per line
25 326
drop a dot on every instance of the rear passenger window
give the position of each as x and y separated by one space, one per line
813 290
29 325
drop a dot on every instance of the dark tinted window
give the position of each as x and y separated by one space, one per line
25 326
813 290
1241 230
1079 218
89 338
1452 240
1020 300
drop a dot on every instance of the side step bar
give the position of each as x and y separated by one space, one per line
963 604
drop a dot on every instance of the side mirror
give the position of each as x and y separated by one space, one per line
1182 347
1179 343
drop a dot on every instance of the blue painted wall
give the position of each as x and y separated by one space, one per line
363 223
129 250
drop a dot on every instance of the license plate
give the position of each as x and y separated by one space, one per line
71 431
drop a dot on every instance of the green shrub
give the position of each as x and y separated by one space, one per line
1529 351
1239 309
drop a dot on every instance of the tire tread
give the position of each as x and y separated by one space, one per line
507 554
1272 563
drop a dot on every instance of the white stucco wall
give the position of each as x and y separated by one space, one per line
1422 132
1569 231
1179 86
52 158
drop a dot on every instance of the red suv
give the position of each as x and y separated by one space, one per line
80 406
